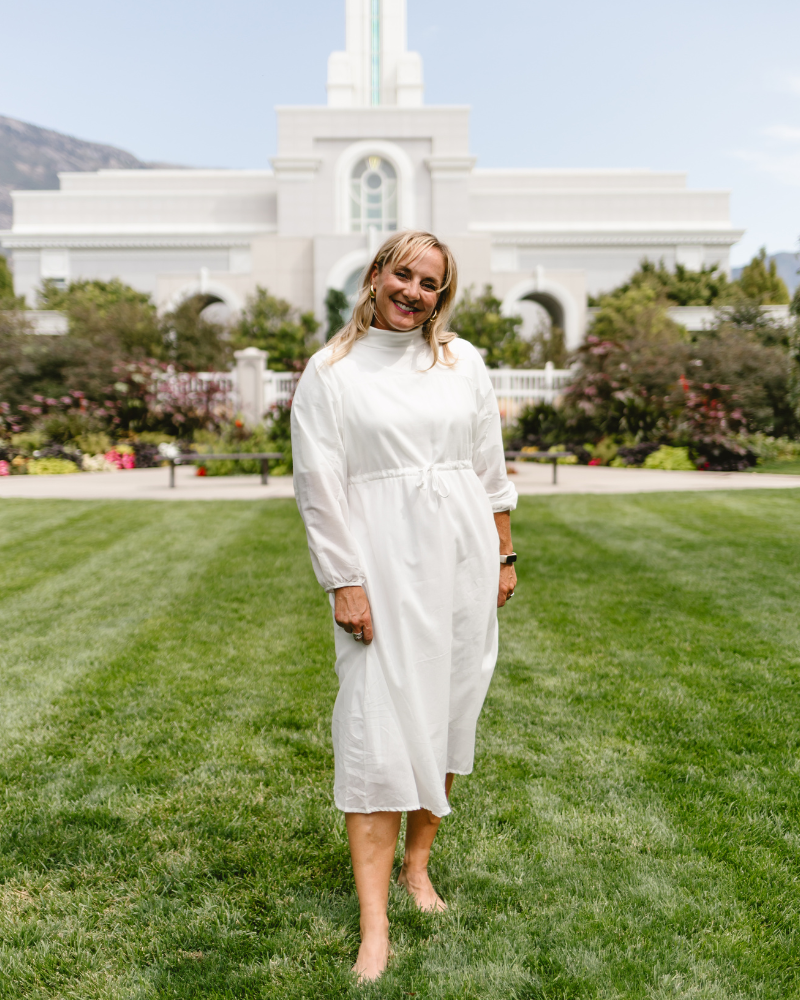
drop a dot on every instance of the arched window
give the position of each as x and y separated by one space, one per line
373 196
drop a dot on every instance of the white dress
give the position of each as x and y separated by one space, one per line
397 470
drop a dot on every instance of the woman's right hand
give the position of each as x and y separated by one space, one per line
351 611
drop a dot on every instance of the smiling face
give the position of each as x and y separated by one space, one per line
406 294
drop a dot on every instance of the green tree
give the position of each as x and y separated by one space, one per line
277 328
337 307
681 287
194 343
478 319
635 311
110 312
761 283
8 300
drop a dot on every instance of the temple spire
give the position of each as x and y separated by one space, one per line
375 69
375 45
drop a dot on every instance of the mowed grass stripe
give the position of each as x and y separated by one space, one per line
90 584
630 829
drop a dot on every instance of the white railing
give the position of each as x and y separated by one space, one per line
278 387
517 388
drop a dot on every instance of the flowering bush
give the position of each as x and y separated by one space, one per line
97 463
5 468
710 422
121 457
152 394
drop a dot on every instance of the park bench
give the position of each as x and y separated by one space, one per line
265 457
541 456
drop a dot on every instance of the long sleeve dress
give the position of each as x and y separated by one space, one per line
398 468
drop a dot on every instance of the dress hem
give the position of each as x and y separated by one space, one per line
399 809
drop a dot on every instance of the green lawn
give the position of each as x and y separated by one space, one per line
632 828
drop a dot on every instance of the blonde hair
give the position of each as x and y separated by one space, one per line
399 249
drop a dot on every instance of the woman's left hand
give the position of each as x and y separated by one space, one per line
508 582
508 575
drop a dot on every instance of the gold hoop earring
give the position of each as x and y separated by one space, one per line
372 291
433 315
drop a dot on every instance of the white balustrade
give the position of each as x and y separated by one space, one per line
279 387
517 388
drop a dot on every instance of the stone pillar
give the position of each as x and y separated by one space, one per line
251 363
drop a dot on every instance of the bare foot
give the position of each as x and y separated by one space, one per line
420 887
373 957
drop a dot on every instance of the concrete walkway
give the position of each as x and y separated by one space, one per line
535 479
146 484
530 478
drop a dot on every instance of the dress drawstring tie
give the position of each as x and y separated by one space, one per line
437 485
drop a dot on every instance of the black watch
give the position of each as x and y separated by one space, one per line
509 559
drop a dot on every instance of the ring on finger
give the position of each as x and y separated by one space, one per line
358 636
510 595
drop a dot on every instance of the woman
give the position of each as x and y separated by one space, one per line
398 469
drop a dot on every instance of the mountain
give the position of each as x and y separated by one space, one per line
787 265
31 157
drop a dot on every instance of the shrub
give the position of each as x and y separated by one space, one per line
51 466
147 455
569 460
604 452
633 456
93 442
540 425
27 442
675 459
770 449
274 435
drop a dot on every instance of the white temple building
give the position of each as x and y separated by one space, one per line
375 159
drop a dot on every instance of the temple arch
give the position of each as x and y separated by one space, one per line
211 292
555 299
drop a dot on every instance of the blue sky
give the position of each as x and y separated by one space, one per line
704 86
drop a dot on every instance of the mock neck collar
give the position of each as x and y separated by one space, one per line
391 339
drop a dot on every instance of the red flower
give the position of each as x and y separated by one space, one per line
201 470
595 461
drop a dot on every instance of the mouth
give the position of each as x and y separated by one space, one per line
404 309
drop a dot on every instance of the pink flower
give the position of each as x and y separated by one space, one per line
595 461
128 462
5 469
114 458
